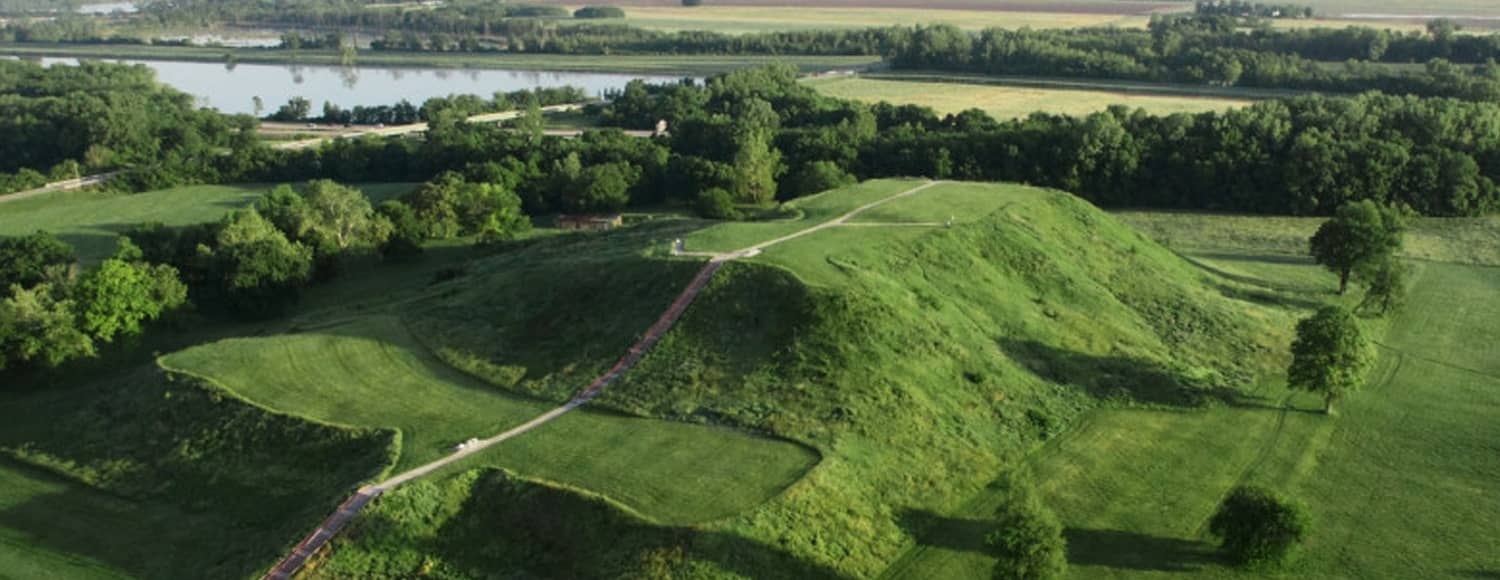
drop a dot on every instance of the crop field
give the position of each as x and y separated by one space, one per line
90 220
1011 102
372 373
1390 478
748 19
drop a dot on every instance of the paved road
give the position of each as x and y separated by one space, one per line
346 511
421 127
67 185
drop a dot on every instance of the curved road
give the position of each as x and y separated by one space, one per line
347 510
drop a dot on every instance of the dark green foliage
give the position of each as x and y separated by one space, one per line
259 272
1361 234
40 330
30 260
245 480
1330 355
1028 538
1385 285
449 206
692 2
334 220
407 232
599 12
1259 528
715 203
815 177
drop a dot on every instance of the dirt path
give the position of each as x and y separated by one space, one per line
346 511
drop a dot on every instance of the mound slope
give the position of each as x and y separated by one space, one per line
920 361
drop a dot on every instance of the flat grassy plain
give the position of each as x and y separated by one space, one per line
373 373
1011 102
91 220
692 65
1394 480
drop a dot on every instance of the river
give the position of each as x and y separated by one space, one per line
232 89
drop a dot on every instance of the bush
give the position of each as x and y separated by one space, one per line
816 177
599 12
407 231
1027 539
692 2
716 203
1259 528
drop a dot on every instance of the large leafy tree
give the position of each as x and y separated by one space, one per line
260 272
37 328
1259 528
1360 233
32 259
1330 355
123 292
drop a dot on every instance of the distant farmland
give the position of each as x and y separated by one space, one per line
1007 102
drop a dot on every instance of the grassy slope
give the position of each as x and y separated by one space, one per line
801 213
653 64
1006 102
1394 481
91 220
372 373
164 479
970 340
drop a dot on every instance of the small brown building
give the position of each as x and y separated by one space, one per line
588 221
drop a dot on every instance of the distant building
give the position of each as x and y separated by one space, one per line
589 221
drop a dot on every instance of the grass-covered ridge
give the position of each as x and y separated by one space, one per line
920 361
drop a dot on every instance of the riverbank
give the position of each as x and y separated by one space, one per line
686 65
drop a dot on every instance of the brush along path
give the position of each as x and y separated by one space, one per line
330 527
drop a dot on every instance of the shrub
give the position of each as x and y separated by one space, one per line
1027 539
716 203
1259 528
692 2
816 177
599 12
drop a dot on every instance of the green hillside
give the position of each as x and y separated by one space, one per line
162 476
920 361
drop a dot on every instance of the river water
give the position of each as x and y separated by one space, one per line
232 89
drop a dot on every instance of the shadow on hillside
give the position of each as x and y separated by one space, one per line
1480 574
527 528
1116 377
1254 289
1132 551
939 531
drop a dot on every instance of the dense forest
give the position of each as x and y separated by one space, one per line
64 120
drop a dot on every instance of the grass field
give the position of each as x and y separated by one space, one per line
802 213
652 64
1010 102
372 373
91 220
1394 481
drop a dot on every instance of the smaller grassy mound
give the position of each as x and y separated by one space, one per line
90 220
172 478
373 373
489 524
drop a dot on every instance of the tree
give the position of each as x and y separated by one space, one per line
1386 285
1259 528
123 292
692 2
1027 539
295 109
1360 233
715 203
407 233
816 177
1330 355
260 272
603 188
37 328
30 260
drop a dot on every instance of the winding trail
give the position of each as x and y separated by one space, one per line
346 511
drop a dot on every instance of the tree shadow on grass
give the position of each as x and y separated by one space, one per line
1480 574
1117 377
1133 551
958 534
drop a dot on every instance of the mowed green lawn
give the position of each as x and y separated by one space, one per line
90 221
1401 483
372 372
1011 102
